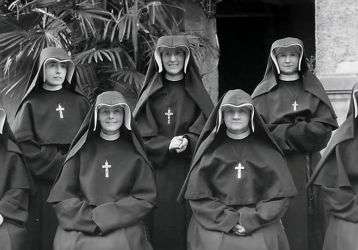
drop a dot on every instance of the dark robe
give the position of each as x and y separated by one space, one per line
337 176
99 212
168 222
301 134
14 195
190 105
222 196
44 139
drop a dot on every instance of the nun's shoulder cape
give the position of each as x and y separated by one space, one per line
153 80
268 149
29 123
310 82
88 126
52 53
14 173
328 171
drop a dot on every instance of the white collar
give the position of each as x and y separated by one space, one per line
174 78
109 137
289 78
238 136
51 88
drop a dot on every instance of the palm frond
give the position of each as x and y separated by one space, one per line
202 49
30 42
86 14
117 56
169 17
14 83
127 77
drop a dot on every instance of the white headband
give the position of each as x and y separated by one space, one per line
70 70
158 58
274 59
355 103
2 119
219 121
127 113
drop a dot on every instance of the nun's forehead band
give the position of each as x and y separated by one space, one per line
53 59
101 105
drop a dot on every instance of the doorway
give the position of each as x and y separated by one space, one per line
246 30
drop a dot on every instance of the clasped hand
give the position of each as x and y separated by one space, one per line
178 143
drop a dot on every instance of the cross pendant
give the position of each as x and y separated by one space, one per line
106 168
294 105
169 113
60 109
239 167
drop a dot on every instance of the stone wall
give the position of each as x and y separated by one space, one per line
337 49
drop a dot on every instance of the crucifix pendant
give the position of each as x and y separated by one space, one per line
106 168
59 109
294 105
169 113
239 167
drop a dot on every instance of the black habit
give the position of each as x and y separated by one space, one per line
237 181
301 119
187 105
105 188
336 174
45 124
14 191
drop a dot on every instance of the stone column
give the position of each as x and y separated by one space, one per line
337 50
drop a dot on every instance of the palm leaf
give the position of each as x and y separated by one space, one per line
115 55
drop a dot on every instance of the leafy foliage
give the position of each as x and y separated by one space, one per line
110 40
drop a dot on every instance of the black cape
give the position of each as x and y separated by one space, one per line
301 134
317 109
153 82
110 211
284 188
220 201
45 138
336 175
15 188
168 225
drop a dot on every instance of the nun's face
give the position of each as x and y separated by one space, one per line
173 60
111 119
288 61
55 72
237 119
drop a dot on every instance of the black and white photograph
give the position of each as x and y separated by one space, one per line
178 124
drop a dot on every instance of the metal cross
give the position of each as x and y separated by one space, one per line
106 167
60 109
169 113
239 167
294 105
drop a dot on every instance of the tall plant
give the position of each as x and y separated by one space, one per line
110 40
106 38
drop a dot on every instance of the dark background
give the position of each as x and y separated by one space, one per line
246 30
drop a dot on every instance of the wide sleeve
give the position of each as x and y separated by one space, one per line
208 210
157 149
194 132
44 161
341 203
131 209
14 202
73 211
305 134
264 213
311 134
214 215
